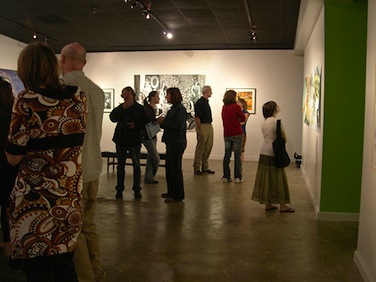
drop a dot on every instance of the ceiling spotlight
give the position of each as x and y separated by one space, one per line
134 5
126 1
253 32
94 9
34 35
168 34
146 13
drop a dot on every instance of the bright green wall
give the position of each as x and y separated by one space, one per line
344 90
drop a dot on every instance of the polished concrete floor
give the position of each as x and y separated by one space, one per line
216 234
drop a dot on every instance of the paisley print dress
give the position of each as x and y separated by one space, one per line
47 127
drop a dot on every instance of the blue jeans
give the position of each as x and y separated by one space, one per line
152 162
134 153
232 143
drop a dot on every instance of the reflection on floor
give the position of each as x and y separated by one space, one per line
216 234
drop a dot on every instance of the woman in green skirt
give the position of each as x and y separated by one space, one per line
271 186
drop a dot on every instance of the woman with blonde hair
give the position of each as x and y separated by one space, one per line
243 106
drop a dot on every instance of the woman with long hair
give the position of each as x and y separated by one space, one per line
152 162
46 135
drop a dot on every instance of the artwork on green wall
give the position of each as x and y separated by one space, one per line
374 140
312 99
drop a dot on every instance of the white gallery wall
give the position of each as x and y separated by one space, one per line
365 255
276 75
311 138
10 50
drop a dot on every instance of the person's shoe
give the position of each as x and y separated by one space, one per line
238 180
152 182
197 172
137 195
226 180
119 195
208 171
171 200
164 195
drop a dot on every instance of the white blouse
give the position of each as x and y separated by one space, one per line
269 130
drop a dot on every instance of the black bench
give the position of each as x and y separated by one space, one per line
112 159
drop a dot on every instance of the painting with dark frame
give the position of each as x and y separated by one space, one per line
109 99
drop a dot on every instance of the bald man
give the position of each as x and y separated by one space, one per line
86 255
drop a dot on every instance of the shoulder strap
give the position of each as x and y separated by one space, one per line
279 134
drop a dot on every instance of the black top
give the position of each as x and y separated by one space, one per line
203 111
150 114
175 125
124 135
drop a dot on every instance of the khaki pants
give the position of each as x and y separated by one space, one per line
86 255
203 147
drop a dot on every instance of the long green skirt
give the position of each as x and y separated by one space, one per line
271 183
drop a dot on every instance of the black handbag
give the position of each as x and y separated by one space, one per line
281 157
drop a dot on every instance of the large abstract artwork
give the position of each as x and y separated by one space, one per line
312 99
14 80
189 84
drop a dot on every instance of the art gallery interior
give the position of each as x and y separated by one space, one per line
333 190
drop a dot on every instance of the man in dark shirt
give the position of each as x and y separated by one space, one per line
131 119
204 130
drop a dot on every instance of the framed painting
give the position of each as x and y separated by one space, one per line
249 95
109 99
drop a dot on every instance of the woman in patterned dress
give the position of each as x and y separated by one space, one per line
46 135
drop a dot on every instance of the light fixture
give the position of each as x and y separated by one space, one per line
94 9
134 5
254 32
34 35
146 13
168 34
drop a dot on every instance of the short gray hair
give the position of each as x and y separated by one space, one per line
205 88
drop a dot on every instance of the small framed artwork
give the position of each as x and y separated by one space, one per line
249 95
109 99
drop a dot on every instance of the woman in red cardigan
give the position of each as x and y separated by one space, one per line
232 116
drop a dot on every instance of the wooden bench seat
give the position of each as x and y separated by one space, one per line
112 159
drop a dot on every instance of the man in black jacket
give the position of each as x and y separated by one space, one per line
131 119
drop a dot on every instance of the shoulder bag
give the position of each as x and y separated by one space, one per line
281 157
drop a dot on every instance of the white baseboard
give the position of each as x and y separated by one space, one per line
364 272
338 216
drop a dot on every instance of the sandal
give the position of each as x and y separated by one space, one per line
288 210
271 208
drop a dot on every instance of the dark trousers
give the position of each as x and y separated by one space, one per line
8 175
135 154
174 173
55 268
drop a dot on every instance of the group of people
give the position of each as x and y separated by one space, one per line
131 118
271 185
51 159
